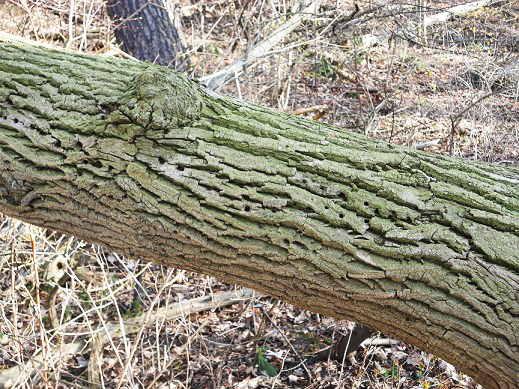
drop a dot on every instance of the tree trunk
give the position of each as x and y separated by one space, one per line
145 162
147 32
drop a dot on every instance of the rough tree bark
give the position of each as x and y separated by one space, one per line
145 162
147 32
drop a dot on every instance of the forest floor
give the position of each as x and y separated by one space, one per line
453 91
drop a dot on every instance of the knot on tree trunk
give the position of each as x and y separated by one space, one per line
159 100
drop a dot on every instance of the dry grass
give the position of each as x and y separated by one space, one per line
57 290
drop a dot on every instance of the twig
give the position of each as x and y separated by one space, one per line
455 120
281 370
37 312
143 325
367 344
375 110
344 356
95 377
71 23
291 346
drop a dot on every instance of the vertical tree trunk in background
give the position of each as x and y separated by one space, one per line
146 162
148 32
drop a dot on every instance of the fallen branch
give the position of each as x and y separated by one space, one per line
425 145
307 110
218 79
454 11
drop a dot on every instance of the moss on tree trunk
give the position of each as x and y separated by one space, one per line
145 162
